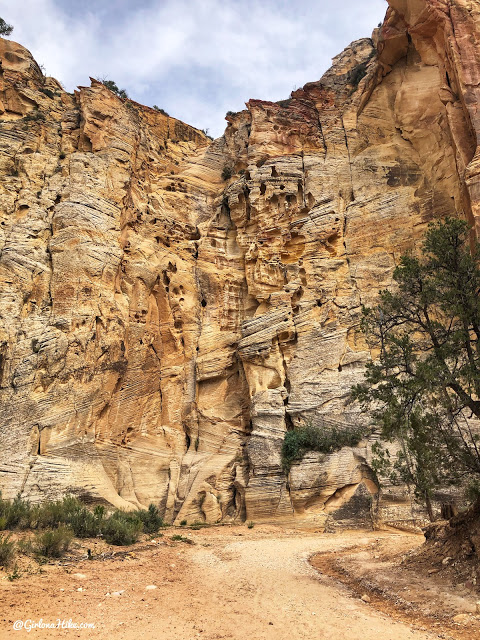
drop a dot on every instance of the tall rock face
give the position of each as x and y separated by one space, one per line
170 306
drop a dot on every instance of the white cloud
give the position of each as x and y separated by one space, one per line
194 58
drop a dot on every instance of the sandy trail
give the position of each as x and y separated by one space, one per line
234 583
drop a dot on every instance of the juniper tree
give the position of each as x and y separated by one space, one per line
5 29
423 386
112 85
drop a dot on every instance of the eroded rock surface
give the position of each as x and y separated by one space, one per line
161 327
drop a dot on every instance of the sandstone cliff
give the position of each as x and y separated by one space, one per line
161 328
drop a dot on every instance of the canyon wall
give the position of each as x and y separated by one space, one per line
170 306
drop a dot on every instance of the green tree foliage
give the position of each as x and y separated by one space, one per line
110 84
5 29
424 388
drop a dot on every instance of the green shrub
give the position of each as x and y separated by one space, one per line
73 513
122 528
157 108
25 546
52 513
15 514
112 86
7 550
34 116
15 575
227 172
309 438
85 524
178 538
150 518
356 74
53 543
183 523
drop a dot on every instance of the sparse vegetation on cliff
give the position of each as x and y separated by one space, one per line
34 116
112 86
299 441
227 173
157 108
424 388
356 74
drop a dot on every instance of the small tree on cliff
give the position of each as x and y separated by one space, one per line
423 390
5 29
112 85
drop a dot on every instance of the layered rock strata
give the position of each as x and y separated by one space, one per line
161 327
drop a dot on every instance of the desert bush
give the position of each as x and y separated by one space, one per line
357 73
157 108
34 116
85 524
122 528
15 514
15 575
150 518
179 538
227 172
53 543
25 546
52 513
7 550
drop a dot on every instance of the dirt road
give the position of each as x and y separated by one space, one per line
234 583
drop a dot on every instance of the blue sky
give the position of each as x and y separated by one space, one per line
196 59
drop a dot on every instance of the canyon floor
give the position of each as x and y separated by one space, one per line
240 583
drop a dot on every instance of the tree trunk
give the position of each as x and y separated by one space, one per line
428 504
449 510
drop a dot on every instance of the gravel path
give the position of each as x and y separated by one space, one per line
234 583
